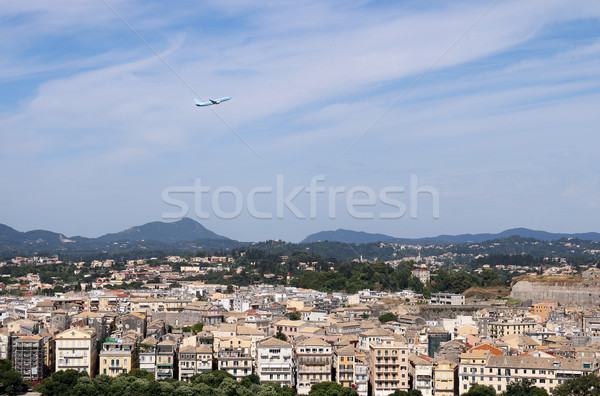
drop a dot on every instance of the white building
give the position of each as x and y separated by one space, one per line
447 299
275 362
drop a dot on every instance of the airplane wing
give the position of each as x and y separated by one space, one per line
226 98
198 103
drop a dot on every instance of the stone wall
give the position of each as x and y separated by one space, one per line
575 294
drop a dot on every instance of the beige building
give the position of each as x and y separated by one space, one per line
388 369
313 363
118 356
234 357
445 380
76 349
501 329
194 360
498 371
165 360
345 364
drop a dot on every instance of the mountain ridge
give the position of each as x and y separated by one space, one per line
350 236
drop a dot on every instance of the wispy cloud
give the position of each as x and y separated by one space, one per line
306 80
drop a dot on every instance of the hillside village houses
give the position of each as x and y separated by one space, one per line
337 337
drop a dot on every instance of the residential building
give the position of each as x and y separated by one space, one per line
447 299
501 329
313 363
445 378
77 349
388 368
194 360
5 344
235 359
344 363
421 371
544 372
361 374
165 360
544 309
28 357
118 356
274 362
147 354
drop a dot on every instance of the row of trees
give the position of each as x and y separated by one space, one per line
142 383
587 385
220 383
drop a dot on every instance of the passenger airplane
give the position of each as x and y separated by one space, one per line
211 102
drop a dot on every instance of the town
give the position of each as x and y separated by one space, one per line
157 316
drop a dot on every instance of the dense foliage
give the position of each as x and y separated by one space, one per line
587 385
517 388
10 379
329 388
388 317
142 383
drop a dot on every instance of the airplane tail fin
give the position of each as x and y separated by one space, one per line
198 103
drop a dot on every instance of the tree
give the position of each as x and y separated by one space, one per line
197 328
388 317
587 385
139 373
524 388
249 380
229 288
330 388
10 380
60 383
280 336
293 315
412 392
480 390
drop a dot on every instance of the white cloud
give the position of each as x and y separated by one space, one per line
306 81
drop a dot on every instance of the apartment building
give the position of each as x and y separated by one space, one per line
5 344
365 338
501 329
118 356
388 368
361 374
313 363
77 349
194 360
28 357
147 355
235 359
49 352
274 362
165 360
447 299
544 309
421 371
344 360
499 371
445 378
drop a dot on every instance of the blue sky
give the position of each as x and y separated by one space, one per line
94 126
